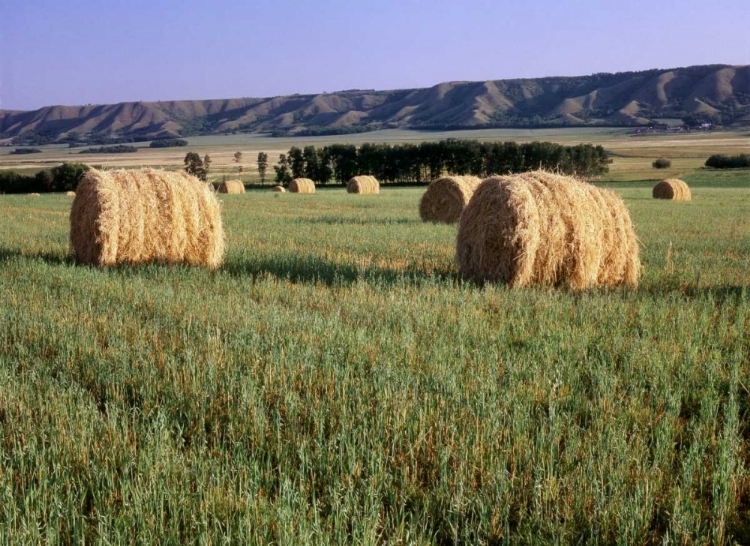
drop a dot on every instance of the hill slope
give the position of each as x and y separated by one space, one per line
720 92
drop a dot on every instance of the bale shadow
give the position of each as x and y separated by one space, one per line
336 220
51 258
720 293
314 270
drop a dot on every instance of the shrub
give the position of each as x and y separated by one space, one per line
719 161
168 143
662 163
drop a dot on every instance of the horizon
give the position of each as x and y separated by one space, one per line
185 51
356 89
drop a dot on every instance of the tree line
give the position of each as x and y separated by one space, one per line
64 177
423 162
719 161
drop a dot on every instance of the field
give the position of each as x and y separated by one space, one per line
336 382
632 154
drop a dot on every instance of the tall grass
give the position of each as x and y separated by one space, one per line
336 383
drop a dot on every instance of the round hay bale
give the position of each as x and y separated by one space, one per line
673 189
364 185
35 195
446 198
302 185
145 216
70 194
543 229
232 186
279 189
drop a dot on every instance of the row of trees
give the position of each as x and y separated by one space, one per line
64 177
430 160
720 161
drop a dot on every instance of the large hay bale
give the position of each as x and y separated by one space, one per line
302 185
543 229
279 189
446 198
364 185
232 186
673 189
145 216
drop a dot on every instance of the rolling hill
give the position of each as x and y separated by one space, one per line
716 92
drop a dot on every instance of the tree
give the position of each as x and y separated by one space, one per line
206 162
296 162
195 165
262 166
283 176
237 157
66 177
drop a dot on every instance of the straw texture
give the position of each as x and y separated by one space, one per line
446 198
543 229
673 189
232 186
302 185
145 216
363 184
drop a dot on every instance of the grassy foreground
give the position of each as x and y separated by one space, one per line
336 383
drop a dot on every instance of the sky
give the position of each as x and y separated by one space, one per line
75 52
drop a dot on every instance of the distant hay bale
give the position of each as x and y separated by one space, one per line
145 216
302 185
543 229
446 198
232 186
70 194
279 189
35 195
673 189
364 185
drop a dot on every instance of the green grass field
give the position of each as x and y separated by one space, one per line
336 382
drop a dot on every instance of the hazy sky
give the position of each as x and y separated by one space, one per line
106 51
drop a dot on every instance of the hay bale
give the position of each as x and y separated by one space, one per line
364 185
70 194
302 185
232 186
145 216
279 189
673 189
446 198
34 195
544 229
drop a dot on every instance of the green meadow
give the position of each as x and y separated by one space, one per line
336 382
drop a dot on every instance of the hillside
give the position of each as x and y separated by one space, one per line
719 93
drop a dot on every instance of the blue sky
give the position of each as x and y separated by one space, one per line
88 51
